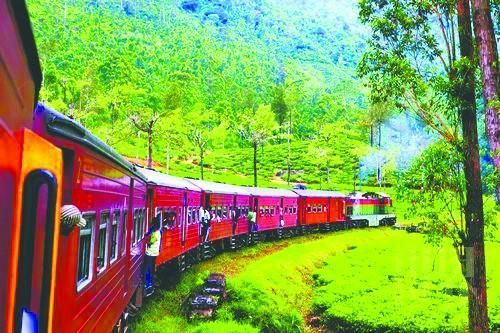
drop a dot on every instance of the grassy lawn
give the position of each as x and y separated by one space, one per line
370 279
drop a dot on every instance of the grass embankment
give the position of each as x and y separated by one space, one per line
363 280
399 284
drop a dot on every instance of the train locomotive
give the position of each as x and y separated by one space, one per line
74 213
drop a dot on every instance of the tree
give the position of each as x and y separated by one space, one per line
377 115
488 61
324 147
257 128
280 109
200 122
474 214
401 67
171 133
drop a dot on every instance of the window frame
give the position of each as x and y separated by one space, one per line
80 283
123 233
105 226
112 223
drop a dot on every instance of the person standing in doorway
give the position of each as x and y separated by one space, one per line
152 251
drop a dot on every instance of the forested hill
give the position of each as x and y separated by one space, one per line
199 71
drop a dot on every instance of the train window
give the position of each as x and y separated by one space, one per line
295 210
158 213
165 215
114 237
320 208
144 221
196 214
124 232
189 216
136 228
271 210
144 216
349 210
285 210
85 250
102 243
266 210
179 220
219 213
308 208
172 218
314 209
261 210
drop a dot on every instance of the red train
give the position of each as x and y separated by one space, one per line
75 213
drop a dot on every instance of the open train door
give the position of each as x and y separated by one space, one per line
40 193
30 184
184 219
30 196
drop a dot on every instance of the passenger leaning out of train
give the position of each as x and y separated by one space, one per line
252 219
205 223
152 251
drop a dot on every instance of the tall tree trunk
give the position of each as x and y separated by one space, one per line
150 148
202 153
255 164
289 149
371 135
379 135
488 61
474 219
168 158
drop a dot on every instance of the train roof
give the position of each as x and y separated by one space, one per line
367 195
20 74
162 179
213 187
59 125
23 26
271 192
319 193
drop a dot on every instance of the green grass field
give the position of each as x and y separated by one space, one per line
363 280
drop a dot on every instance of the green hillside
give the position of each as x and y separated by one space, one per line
203 68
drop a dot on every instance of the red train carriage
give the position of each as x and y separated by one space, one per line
176 202
99 263
276 209
30 178
228 206
325 209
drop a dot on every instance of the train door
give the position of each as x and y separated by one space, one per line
40 182
329 206
10 161
184 219
234 215
280 211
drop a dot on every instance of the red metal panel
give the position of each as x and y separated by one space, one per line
268 216
242 221
221 227
171 242
97 184
98 187
337 210
290 215
316 210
